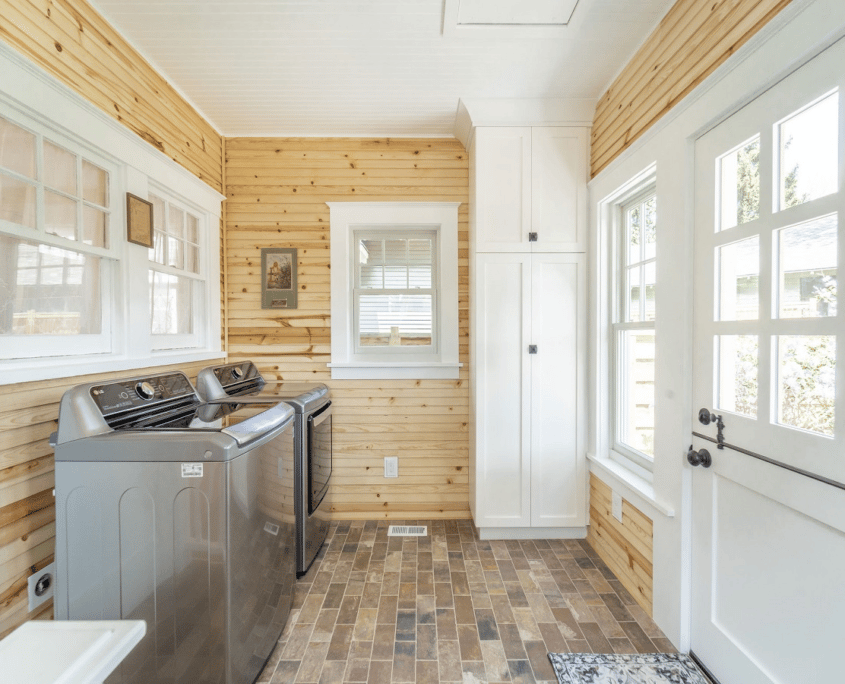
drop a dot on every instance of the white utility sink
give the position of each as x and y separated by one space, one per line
67 651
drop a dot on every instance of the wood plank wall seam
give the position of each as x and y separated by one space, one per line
277 189
69 40
626 547
691 41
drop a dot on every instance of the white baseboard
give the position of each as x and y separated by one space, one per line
490 533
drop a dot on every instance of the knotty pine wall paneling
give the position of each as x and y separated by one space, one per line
691 41
277 191
626 547
71 41
28 414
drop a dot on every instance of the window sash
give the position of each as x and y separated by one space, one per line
630 315
396 264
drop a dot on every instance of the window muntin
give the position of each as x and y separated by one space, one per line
56 265
175 282
395 291
633 332
786 347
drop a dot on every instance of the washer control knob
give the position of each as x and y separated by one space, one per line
237 373
145 390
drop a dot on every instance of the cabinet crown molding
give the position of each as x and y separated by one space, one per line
558 111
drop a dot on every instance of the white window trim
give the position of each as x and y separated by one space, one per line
195 339
28 93
346 217
639 462
609 216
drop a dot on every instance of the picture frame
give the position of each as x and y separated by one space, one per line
139 220
278 278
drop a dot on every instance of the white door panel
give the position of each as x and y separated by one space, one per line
559 188
503 186
768 603
558 329
503 317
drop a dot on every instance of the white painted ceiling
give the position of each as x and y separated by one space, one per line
369 67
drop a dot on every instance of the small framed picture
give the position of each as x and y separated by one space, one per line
278 278
139 220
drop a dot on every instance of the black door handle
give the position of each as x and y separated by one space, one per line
699 458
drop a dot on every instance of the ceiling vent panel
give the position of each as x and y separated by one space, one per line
514 12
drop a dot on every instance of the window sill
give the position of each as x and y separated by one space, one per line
635 487
395 370
15 371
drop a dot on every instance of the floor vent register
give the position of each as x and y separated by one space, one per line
407 531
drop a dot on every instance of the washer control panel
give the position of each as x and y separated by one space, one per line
125 395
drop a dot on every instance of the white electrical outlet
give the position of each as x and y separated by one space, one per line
391 466
616 505
41 586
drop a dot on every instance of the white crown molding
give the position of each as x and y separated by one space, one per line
557 111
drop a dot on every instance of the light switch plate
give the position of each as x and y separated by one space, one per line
616 505
391 466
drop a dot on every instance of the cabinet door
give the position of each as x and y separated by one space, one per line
558 329
502 478
559 189
503 189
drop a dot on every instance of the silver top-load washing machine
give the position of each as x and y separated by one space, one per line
180 514
313 439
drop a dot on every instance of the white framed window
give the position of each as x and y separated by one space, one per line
58 263
175 274
632 329
394 282
76 296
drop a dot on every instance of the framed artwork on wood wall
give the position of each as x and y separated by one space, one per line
278 278
139 220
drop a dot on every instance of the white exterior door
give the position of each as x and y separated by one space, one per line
558 478
768 600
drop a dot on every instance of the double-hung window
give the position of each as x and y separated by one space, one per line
76 296
175 274
57 254
632 335
394 283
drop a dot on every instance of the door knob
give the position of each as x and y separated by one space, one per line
699 458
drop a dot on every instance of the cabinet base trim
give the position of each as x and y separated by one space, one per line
490 533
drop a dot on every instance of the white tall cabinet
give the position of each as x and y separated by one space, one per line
528 473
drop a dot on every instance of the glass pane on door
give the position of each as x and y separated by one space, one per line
738 280
806 382
807 268
737 364
739 178
808 153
